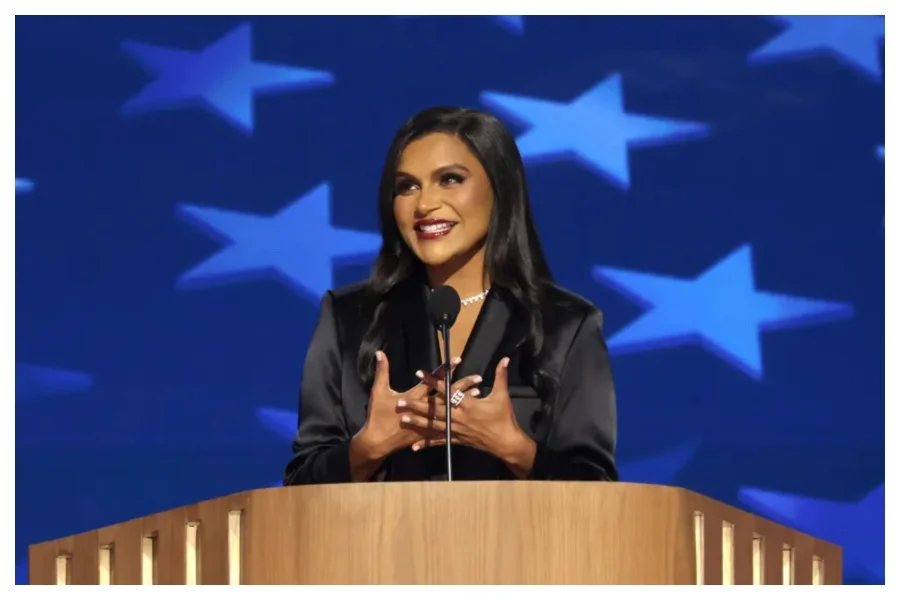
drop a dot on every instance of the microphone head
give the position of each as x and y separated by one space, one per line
443 306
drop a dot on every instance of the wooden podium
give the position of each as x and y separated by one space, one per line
503 532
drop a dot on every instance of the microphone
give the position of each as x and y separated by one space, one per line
443 308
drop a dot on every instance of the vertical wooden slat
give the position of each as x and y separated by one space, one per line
191 562
63 569
787 565
235 549
818 571
699 548
148 559
759 559
727 553
105 565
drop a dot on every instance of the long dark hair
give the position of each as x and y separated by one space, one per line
514 258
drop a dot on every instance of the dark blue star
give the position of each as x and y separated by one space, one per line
24 186
298 244
854 40
34 381
858 526
593 128
222 77
720 309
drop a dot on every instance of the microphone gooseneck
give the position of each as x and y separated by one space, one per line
443 308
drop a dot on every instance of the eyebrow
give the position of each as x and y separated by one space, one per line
439 170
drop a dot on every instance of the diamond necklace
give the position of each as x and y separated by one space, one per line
475 298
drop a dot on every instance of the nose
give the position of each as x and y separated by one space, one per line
428 202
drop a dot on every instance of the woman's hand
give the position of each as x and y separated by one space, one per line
487 424
382 433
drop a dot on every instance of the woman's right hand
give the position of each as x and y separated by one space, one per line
382 433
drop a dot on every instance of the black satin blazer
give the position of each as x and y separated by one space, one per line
575 438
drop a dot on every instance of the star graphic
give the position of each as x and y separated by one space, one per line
856 526
512 23
34 381
298 244
222 77
879 152
24 186
660 470
593 128
854 40
720 309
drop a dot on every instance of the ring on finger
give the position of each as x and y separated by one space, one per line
457 398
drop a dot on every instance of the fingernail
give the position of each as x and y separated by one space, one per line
505 362
456 361
477 379
475 392
415 447
420 374
401 403
378 356
405 419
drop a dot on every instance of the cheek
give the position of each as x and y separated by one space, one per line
476 211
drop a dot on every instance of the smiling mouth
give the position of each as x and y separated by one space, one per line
433 230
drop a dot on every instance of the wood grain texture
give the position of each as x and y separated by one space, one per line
507 532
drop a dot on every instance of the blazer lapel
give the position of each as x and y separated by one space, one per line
411 341
491 336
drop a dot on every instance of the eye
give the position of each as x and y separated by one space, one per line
403 186
452 179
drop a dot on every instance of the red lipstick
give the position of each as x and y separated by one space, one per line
432 229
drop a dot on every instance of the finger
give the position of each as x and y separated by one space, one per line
501 376
382 379
427 407
420 422
436 378
466 384
431 442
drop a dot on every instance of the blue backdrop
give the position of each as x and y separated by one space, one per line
188 187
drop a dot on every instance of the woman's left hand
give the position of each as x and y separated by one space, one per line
487 424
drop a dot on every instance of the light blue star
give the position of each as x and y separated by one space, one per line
858 527
24 186
512 23
282 423
879 152
33 381
854 40
659 470
720 309
298 244
222 77
593 128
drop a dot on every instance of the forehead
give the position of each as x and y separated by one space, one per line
434 151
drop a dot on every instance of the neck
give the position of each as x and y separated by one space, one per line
468 278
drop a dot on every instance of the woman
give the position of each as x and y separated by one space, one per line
534 379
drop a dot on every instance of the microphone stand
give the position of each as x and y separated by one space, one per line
445 334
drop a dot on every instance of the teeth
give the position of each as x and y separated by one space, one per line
436 228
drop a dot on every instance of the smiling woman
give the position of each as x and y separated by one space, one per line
535 392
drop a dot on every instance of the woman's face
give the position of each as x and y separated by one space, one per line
442 200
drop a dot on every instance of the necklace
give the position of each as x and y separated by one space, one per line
475 298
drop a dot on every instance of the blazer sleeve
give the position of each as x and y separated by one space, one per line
581 439
322 444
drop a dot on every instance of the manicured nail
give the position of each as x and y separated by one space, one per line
420 374
477 379
401 403
405 419
378 356
416 447
475 392
505 362
456 361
